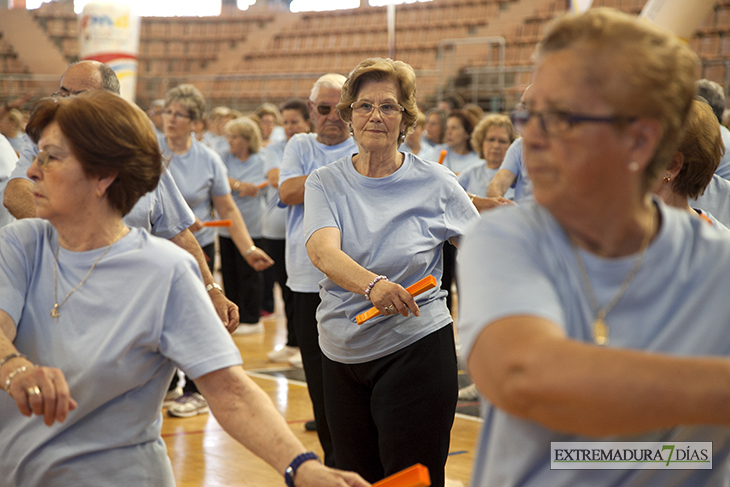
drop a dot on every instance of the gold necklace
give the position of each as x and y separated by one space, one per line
600 327
56 311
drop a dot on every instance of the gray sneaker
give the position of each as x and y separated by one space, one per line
188 405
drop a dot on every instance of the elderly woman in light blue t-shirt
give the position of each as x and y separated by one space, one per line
375 223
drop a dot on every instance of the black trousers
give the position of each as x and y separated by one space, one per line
244 285
390 413
276 250
449 271
305 327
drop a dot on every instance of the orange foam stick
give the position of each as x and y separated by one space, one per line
415 476
428 282
218 223
442 156
262 185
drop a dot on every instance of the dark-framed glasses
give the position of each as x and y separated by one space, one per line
385 109
177 115
557 122
323 110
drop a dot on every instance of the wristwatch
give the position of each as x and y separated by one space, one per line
291 470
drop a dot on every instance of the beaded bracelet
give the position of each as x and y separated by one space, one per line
7 358
11 376
372 283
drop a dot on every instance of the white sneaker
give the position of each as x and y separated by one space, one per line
249 329
296 360
171 396
188 405
468 393
283 354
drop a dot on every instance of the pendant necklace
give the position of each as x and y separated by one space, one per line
56 311
600 327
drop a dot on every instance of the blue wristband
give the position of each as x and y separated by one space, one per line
291 470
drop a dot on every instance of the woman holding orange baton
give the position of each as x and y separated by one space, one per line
375 223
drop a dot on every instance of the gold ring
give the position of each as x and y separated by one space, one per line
33 391
390 309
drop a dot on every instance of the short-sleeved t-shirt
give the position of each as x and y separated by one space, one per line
142 312
476 179
302 155
274 221
200 175
163 212
514 162
518 261
251 207
716 199
393 226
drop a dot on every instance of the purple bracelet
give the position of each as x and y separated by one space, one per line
372 283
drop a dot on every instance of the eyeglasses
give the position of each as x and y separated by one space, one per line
556 123
64 93
323 110
44 158
386 109
177 115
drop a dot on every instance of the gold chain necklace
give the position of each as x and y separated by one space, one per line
600 327
56 311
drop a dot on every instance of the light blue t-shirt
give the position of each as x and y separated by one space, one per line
274 221
17 142
716 199
142 312
199 174
163 212
302 155
476 179
459 163
251 207
514 162
723 169
393 226
517 260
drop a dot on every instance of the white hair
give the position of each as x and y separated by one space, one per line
329 80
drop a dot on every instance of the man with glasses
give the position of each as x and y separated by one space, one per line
163 212
303 154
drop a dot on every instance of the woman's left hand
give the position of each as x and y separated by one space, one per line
314 474
42 391
247 189
391 298
259 260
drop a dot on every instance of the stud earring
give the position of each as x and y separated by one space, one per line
633 166
666 178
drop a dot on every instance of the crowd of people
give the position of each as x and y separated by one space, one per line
591 222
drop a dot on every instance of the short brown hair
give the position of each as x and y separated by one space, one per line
379 69
702 149
467 120
189 97
107 135
640 69
494 120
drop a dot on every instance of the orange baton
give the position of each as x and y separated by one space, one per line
428 282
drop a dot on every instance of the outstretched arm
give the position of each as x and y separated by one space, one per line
528 367
500 183
249 416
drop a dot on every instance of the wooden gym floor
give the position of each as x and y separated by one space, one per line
203 455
